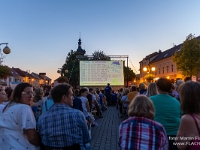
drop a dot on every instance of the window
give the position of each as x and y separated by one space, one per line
165 55
163 69
167 69
172 68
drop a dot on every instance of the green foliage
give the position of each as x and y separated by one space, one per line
4 72
187 60
149 77
129 75
72 65
100 55
62 79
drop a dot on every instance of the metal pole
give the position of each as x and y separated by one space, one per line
127 72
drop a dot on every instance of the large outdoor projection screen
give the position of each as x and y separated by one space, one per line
99 73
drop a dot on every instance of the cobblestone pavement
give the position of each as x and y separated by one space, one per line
105 136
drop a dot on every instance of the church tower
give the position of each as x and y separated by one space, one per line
80 51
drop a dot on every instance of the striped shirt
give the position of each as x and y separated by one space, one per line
63 126
140 133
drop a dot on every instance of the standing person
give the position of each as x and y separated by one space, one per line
140 131
167 109
119 98
152 90
190 121
108 93
125 102
77 103
142 89
17 122
114 98
3 98
131 95
63 127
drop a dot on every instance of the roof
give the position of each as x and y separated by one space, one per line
35 75
20 72
168 53
14 73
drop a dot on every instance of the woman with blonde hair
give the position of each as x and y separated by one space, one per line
140 131
152 89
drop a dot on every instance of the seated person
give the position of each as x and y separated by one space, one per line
140 131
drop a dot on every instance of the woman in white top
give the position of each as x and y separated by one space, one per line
3 98
85 104
17 122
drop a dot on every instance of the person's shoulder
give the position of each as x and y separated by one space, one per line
187 118
74 112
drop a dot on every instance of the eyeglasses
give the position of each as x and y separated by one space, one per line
28 93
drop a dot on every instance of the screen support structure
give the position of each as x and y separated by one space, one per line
111 56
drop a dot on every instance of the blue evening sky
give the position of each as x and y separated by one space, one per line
40 33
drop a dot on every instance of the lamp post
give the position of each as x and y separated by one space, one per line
149 69
60 71
6 50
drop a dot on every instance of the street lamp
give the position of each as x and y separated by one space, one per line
148 69
60 71
149 77
6 50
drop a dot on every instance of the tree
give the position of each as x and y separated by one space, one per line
149 77
187 59
100 55
72 65
129 75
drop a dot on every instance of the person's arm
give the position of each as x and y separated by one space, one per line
32 136
85 132
184 130
88 106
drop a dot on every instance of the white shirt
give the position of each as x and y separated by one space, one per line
84 100
13 121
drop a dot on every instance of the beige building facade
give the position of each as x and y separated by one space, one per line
162 63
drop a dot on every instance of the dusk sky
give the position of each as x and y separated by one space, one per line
40 33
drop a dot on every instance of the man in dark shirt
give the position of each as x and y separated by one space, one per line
108 93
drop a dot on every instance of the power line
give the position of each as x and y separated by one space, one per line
133 67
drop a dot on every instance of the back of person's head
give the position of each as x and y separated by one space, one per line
38 94
177 84
98 92
152 89
91 89
76 92
46 94
126 91
121 89
108 84
86 88
141 106
133 88
189 97
187 79
59 91
164 84
141 86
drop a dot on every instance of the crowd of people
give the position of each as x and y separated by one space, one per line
155 116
